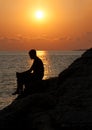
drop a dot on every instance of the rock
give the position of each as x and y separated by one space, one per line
61 102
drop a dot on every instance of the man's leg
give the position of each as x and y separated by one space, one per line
19 89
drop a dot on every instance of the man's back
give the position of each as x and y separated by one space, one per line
38 68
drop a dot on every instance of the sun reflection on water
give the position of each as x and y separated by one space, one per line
44 57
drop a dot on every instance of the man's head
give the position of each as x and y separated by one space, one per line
32 53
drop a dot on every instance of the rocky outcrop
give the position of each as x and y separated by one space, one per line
60 102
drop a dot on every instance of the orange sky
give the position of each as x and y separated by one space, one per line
67 25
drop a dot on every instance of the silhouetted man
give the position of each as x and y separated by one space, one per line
29 77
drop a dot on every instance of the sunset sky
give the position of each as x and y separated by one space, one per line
45 24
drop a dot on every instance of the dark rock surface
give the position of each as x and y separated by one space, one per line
60 102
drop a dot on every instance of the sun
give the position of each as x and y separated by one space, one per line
39 14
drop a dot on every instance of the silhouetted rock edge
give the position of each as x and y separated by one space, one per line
60 102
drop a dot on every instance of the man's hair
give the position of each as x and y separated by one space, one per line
32 52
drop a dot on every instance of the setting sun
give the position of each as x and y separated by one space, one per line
39 14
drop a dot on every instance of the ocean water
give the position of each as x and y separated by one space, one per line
12 62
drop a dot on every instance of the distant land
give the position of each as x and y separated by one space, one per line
80 50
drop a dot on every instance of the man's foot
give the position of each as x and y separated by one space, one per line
15 93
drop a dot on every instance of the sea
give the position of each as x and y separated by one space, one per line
19 61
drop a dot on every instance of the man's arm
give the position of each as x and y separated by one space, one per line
31 69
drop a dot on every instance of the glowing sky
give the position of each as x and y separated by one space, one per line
66 25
